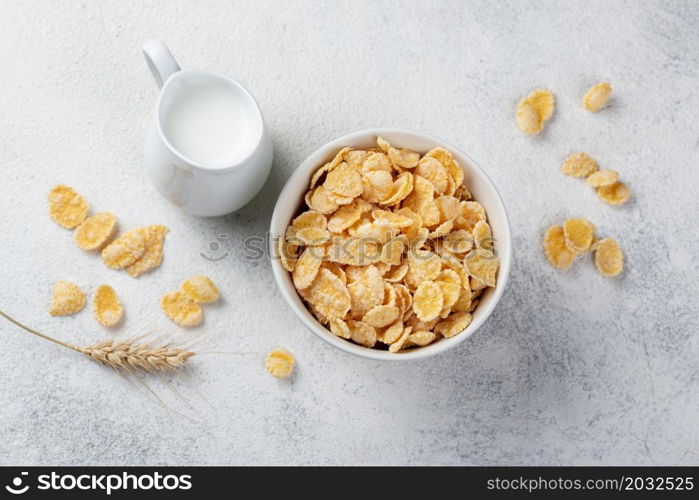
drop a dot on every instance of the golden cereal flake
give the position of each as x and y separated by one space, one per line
280 363
482 267
312 236
428 300
200 289
181 309
447 160
125 250
528 118
454 324
392 333
381 315
459 241
482 235
579 165
578 234
307 267
95 231
375 162
362 333
321 201
377 186
401 188
597 96
614 194
401 342
543 102
344 217
432 170
66 298
287 254
423 265
328 166
392 219
344 180
66 207
310 218
396 273
602 178
106 306
470 213
403 158
329 295
421 338
339 328
362 298
449 208
609 258
154 238
555 248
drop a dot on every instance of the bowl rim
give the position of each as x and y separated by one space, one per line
283 278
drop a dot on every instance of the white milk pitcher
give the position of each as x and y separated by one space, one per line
208 150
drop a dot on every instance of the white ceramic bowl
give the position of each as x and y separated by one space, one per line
482 189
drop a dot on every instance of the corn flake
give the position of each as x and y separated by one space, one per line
428 300
329 295
381 315
454 324
95 231
362 333
66 207
528 118
66 298
106 306
307 267
609 258
200 289
555 248
602 178
154 240
181 309
579 165
578 234
125 250
543 102
483 268
280 363
597 96
614 194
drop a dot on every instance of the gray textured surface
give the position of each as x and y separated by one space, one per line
572 369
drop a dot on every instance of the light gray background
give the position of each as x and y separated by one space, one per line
573 368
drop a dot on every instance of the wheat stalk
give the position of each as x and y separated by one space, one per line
124 355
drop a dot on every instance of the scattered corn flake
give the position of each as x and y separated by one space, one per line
528 118
66 298
307 267
579 165
543 102
280 363
95 231
454 324
602 178
154 239
381 315
482 267
125 250
578 234
609 258
66 207
200 289
106 306
428 300
597 96
181 309
614 194
362 333
555 248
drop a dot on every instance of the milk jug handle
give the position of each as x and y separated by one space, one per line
160 61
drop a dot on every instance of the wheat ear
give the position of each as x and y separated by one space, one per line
126 355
